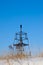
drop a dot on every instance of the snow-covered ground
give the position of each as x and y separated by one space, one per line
30 61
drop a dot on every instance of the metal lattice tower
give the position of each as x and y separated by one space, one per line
20 37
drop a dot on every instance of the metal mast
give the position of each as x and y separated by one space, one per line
20 37
20 34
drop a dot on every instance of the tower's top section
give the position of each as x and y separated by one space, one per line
20 28
20 37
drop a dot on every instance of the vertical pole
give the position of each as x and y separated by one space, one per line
21 38
20 28
20 33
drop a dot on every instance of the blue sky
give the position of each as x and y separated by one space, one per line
25 12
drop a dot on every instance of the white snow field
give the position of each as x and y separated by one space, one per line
30 61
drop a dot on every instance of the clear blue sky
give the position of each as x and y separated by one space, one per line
25 12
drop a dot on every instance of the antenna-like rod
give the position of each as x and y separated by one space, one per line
20 28
20 33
